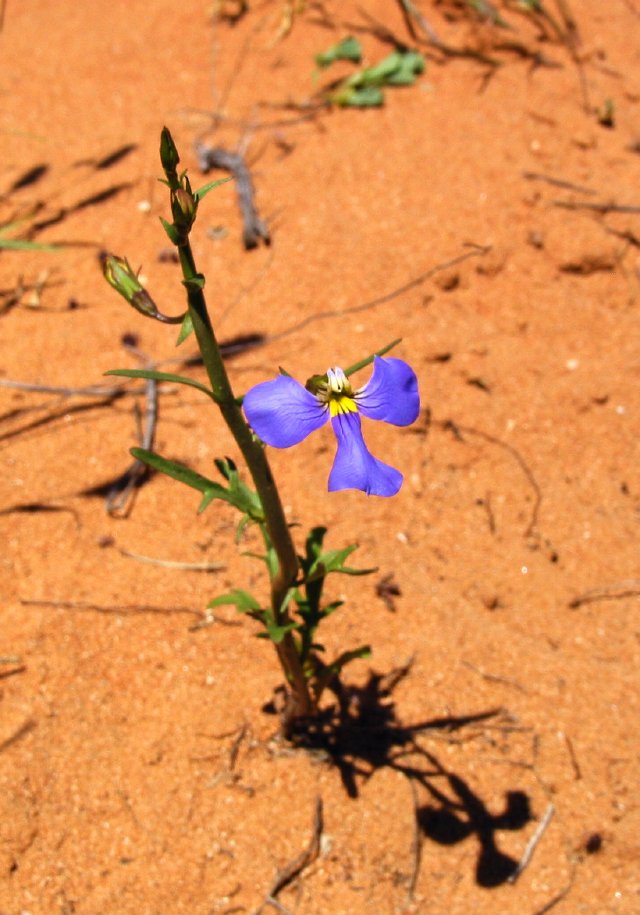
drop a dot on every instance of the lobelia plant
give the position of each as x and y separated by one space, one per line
279 413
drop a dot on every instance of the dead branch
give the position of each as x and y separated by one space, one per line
122 609
171 564
254 228
533 843
295 867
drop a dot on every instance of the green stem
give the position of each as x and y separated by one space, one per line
253 453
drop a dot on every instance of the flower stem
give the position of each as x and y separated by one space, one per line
301 703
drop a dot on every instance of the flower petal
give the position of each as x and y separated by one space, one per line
391 394
282 412
354 466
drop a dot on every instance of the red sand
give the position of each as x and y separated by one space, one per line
119 790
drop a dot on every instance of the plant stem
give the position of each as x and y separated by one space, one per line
301 703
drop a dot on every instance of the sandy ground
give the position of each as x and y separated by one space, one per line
479 215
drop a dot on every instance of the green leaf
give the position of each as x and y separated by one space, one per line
333 561
243 524
197 281
369 359
378 74
363 652
185 329
410 66
347 49
363 89
183 474
177 471
331 608
270 559
333 670
172 232
162 376
203 191
214 492
243 601
274 632
245 498
366 97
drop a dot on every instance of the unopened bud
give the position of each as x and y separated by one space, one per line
118 273
168 152
183 207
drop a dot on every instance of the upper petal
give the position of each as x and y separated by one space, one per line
391 394
354 466
282 412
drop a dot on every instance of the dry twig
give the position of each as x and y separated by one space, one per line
170 564
533 842
295 867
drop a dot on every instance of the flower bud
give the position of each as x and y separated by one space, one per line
183 208
118 273
168 152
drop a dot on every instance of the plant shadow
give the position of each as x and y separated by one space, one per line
362 734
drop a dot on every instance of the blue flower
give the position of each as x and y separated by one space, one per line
282 413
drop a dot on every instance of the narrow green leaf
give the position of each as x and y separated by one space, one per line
215 492
274 632
333 561
363 652
203 191
162 376
243 601
170 229
369 359
177 471
245 498
331 608
197 281
185 328
333 670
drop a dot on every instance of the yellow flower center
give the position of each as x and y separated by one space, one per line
340 403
